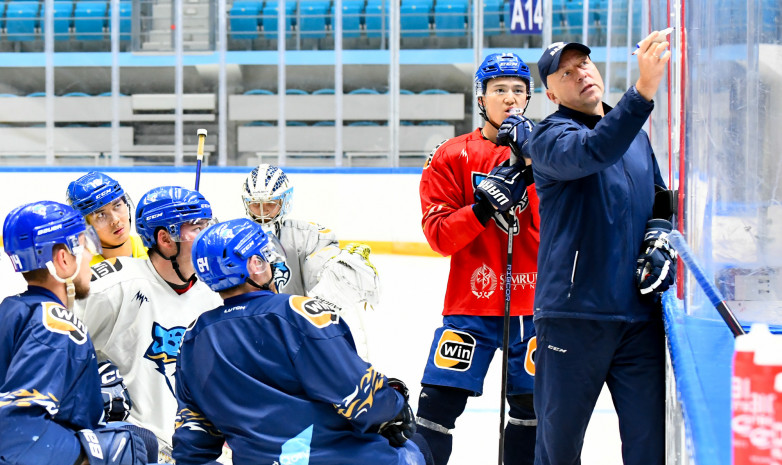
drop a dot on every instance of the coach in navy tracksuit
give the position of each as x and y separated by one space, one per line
595 174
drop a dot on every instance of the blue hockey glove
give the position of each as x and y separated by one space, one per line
505 186
402 427
112 446
116 399
514 132
656 266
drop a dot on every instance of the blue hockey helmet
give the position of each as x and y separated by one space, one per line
220 253
92 191
32 230
169 207
502 65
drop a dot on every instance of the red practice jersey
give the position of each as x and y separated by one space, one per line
476 283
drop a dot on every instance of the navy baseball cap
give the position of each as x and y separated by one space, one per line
549 61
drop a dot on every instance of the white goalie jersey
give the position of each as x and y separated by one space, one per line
315 266
137 320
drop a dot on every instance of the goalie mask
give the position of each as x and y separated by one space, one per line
267 194
220 253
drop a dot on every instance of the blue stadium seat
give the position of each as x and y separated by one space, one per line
109 94
414 18
323 123
245 17
63 20
450 18
376 18
89 20
559 24
295 123
259 92
574 15
434 122
125 13
406 92
364 91
352 17
37 94
76 94
325 91
313 15
492 12
21 21
363 123
259 123
296 92
269 19
434 92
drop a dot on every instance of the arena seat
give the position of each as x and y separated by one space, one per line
296 92
269 19
125 13
434 92
244 19
89 19
313 15
21 21
259 92
492 12
352 17
450 18
376 18
414 18
324 91
63 20
364 90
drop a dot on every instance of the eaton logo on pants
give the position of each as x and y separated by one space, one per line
454 351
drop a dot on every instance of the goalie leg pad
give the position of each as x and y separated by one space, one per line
438 409
520 430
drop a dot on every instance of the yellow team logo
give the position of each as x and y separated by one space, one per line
529 358
454 351
318 312
59 319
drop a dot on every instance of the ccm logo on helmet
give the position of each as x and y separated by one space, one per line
454 351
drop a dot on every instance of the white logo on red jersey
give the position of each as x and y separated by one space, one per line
483 282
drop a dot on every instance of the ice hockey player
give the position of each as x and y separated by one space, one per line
467 188
277 376
139 309
106 207
50 402
313 263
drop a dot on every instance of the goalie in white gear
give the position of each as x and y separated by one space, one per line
314 264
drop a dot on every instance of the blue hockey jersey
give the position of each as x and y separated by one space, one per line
277 376
49 384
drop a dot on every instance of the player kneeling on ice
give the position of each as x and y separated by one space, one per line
277 376
313 264
51 410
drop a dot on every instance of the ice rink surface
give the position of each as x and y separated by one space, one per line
400 332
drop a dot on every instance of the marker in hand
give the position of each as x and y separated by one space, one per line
661 37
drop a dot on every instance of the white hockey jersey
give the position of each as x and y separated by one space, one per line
137 320
298 240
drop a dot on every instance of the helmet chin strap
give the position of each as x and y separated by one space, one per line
112 247
174 263
264 287
70 288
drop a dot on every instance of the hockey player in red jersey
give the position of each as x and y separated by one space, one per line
467 189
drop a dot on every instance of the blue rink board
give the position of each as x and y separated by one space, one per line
702 357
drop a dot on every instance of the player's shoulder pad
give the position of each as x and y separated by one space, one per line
319 313
306 226
59 320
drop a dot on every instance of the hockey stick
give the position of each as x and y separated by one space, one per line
514 158
715 296
199 155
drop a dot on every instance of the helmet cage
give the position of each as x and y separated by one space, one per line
265 184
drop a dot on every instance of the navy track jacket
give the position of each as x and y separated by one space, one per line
595 177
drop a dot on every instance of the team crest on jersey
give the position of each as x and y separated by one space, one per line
454 351
281 275
164 349
59 319
483 282
318 312
108 266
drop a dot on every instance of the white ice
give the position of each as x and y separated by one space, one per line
400 332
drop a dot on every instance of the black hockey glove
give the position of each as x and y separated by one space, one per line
402 427
514 132
656 266
113 445
505 186
116 400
